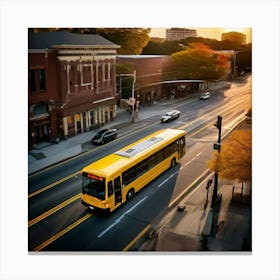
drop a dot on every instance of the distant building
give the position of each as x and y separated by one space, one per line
234 36
151 85
71 84
176 34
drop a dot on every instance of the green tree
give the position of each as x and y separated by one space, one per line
244 59
230 45
124 68
124 84
131 40
197 62
162 47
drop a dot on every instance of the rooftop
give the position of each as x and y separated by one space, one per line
45 40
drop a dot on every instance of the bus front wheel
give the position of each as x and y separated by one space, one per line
130 194
173 162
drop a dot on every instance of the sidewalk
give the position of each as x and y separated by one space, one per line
198 229
46 153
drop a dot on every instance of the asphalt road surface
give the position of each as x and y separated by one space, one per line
58 222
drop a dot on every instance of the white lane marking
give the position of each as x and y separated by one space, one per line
172 175
163 182
107 229
187 163
167 179
121 217
140 201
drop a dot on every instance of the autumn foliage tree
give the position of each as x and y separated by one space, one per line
234 162
198 61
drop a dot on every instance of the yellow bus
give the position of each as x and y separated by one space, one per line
114 179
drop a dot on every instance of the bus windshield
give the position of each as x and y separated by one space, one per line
94 187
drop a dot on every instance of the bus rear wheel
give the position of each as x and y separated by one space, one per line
130 194
173 162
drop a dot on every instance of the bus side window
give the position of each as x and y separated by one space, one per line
110 188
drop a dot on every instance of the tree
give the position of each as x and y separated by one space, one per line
162 47
230 45
131 40
244 60
124 68
234 162
124 84
197 62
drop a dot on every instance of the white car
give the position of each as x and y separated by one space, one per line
204 95
170 116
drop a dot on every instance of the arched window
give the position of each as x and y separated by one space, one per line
39 109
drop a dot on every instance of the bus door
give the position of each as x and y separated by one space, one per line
181 146
117 190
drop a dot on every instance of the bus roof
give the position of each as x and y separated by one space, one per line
139 147
132 153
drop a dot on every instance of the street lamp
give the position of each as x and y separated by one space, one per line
133 85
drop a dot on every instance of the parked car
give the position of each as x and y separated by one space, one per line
104 135
204 95
170 116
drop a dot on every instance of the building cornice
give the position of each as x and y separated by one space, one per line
93 47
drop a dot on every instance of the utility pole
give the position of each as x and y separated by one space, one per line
217 146
133 98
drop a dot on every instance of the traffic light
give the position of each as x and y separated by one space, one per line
209 183
218 123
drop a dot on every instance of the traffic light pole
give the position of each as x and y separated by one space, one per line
133 97
218 124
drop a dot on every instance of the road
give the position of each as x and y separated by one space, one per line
58 222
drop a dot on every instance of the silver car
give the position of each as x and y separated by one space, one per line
204 95
170 116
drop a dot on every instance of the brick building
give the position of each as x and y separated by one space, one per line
71 84
152 84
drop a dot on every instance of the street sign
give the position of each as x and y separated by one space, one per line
217 146
131 101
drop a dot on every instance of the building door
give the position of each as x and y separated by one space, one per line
78 123
182 146
42 132
85 127
117 190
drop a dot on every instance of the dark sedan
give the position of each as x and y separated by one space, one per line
104 135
